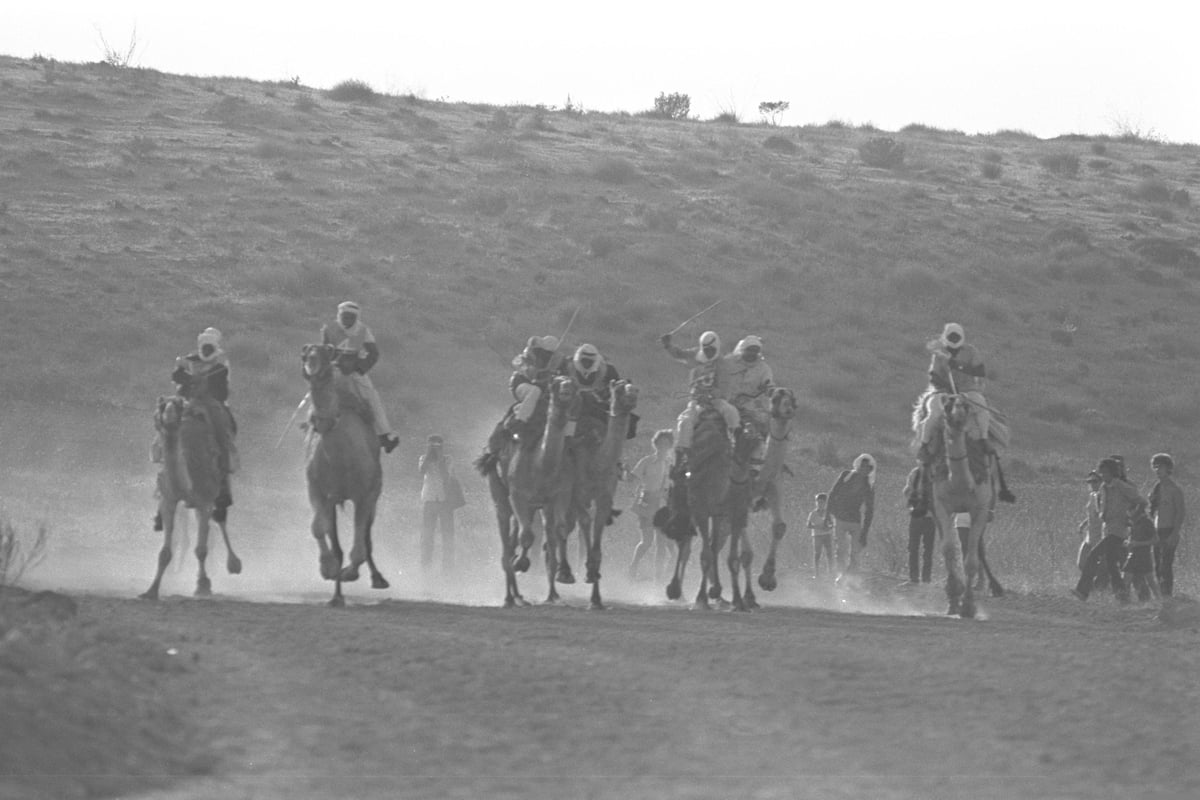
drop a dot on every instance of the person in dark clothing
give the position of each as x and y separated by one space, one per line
1118 500
1167 511
918 496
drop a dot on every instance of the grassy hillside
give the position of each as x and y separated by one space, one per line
138 208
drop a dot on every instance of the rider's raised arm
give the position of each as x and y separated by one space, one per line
683 356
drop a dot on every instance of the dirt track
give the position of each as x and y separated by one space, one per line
411 699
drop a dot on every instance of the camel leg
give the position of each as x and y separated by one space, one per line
952 551
972 563
733 561
166 511
603 511
550 523
566 522
643 546
719 536
766 578
706 564
377 579
675 587
233 564
747 563
324 530
994 587
360 551
203 584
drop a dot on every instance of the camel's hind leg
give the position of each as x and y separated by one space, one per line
550 547
707 561
675 587
166 512
746 557
952 551
232 563
733 561
203 584
377 579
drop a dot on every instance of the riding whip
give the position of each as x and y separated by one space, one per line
694 317
557 357
288 427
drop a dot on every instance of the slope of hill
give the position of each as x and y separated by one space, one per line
140 207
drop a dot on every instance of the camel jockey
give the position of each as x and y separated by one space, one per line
707 382
204 376
534 368
750 382
357 353
956 367
595 376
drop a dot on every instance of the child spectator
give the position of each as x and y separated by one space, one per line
1090 528
1166 508
822 535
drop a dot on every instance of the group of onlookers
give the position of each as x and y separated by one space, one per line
1130 540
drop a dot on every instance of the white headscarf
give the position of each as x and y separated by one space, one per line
869 459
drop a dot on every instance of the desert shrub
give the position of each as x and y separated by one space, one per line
780 144
1099 148
727 117
1056 411
1068 234
1013 133
1181 197
284 175
1099 164
352 91
1064 165
780 201
501 121
1166 252
772 110
18 553
305 103
883 152
615 170
495 146
141 146
993 156
672 106
1152 190
990 170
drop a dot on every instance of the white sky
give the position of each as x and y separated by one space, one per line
1045 67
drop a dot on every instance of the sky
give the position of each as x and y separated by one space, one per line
1048 68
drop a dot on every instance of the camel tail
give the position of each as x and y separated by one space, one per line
1005 495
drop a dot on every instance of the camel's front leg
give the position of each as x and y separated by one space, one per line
203 584
166 512
971 559
675 587
707 563
324 530
551 547
603 511
766 579
747 563
733 561
952 552
232 563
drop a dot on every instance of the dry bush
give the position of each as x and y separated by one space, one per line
305 103
990 170
493 146
1068 234
1099 164
19 554
1064 165
1167 252
353 91
1151 190
1099 148
780 144
883 152
615 170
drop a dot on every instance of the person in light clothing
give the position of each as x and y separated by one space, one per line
956 366
652 475
822 535
357 353
708 382
437 505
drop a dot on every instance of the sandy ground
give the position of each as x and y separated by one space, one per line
243 697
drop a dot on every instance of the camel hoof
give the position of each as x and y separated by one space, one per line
997 591
593 575
722 604
379 582
337 602
520 602
738 605
564 574
349 574
673 589
714 593
330 564
234 565
767 582
701 605
552 600
521 564
968 609
751 602
149 594
204 588
596 605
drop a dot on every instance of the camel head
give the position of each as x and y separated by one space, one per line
317 360
783 404
563 391
956 411
169 414
624 397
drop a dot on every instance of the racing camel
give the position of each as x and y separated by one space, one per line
596 477
190 475
766 486
527 479
343 466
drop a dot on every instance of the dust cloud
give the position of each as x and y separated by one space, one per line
90 482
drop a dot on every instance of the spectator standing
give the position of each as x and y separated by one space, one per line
441 496
1090 528
852 506
1118 499
822 534
1167 511
918 495
652 474
1139 566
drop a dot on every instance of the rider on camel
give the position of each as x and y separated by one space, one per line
708 382
357 353
204 376
955 366
534 368
595 376
751 382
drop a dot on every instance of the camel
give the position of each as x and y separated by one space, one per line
596 480
737 518
696 505
526 480
343 465
961 484
190 475
766 486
